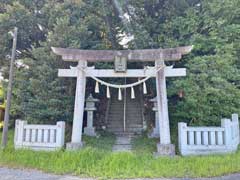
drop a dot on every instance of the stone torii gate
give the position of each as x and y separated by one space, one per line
158 55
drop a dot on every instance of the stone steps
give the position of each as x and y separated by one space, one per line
122 147
120 114
130 113
115 128
132 125
128 120
133 114
122 143
121 131
129 134
127 126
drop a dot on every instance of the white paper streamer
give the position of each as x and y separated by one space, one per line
132 93
108 92
119 94
144 88
97 87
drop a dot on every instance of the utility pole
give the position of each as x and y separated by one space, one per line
9 90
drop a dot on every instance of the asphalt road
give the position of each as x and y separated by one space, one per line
25 174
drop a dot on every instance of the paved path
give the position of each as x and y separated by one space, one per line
17 174
20 174
123 143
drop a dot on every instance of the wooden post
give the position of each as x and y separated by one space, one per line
9 90
164 147
76 141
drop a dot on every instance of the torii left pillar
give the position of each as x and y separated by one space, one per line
164 147
76 141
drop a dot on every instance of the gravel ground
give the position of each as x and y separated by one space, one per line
24 174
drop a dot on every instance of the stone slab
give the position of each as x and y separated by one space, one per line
165 150
122 143
74 146
122 148
90 131
154 133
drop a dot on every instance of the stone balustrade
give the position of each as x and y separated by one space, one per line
209 140
39 137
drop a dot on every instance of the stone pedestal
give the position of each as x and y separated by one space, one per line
155 133
165 150
74 146
90 131
90 108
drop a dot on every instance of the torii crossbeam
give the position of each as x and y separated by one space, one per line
158 55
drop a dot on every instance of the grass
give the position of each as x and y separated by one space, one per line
104 141
97 160
144 145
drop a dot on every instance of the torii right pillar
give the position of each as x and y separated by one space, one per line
164 147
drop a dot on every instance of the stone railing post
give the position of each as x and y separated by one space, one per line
236 127
155 132
60 134
19 130
182 137
90 108
226 124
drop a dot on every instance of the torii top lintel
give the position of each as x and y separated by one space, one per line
170 54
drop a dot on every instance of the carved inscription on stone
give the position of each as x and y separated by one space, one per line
120 64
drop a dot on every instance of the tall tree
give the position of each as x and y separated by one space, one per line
210 90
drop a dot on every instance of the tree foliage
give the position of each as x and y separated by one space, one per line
209 92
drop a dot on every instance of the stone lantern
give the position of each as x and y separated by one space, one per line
90 108
155 132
